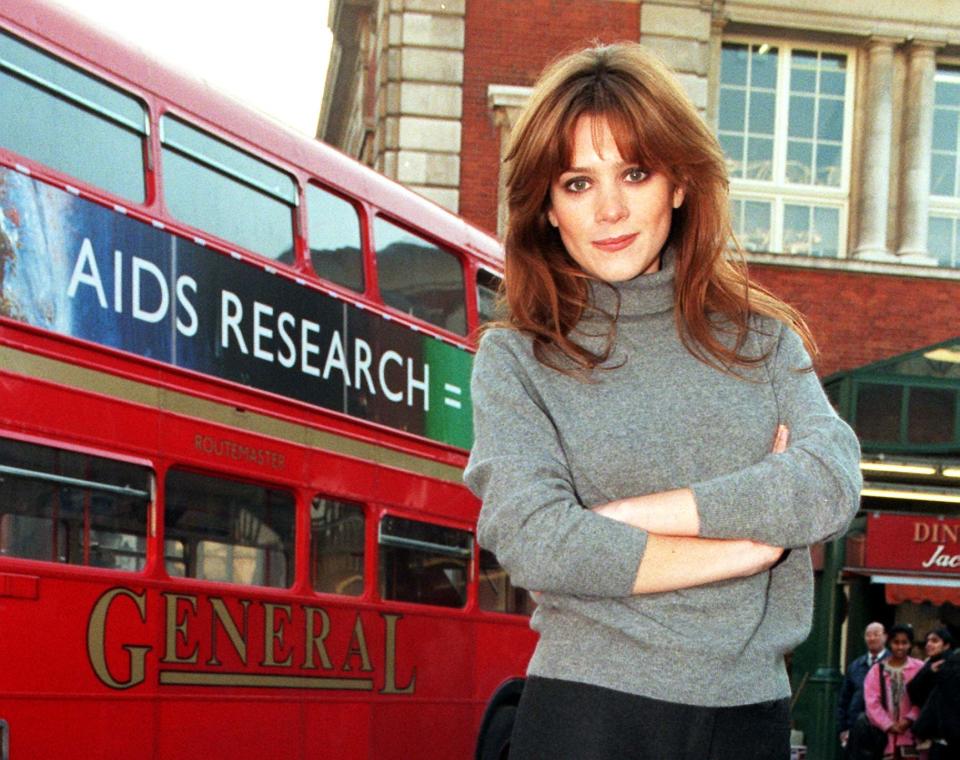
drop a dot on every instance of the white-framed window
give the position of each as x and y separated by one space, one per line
943 239
784 120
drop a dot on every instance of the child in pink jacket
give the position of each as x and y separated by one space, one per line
894 714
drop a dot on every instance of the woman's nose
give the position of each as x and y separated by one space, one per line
611 205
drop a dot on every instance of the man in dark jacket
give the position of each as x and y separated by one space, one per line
850 704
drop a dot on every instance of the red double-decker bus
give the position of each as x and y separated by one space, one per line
234 412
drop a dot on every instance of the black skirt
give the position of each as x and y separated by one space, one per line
565 720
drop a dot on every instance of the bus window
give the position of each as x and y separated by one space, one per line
228 530
215 187
488 285
496 593
419 278
70 121
336 546
333 234
424 563
64 506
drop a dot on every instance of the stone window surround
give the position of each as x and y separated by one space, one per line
779 193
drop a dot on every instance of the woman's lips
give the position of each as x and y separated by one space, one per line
615 243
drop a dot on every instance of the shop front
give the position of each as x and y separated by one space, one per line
900 560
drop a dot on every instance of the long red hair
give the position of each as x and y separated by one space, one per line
656 126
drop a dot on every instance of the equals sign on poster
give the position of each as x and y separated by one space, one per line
451 391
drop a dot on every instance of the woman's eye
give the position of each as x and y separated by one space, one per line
577 185
636 175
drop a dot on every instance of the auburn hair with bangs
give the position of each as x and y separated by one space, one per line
655 126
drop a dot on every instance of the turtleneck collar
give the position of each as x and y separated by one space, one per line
644 294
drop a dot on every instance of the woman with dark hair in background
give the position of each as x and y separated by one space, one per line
936 691
631 416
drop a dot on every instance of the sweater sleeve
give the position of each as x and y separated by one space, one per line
871 696
531 518
807 494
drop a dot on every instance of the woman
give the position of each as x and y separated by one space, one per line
885 693
624 414
929 691
936 645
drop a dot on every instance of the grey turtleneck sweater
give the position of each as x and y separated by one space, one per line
549 446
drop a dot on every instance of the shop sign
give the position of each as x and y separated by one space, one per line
920 543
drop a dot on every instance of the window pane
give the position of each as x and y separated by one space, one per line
833 82
942 173
942 240
495 591
796 229
826 231
947 93
799 162
733 108
232 531
751 222
801 116
488 288
336 546
191 141
763 67
221 190
931 415
420 278
878 412
945 129
424 563
828 165
733 66
762 108
64 506
56 132
334 238
760 158
803 80
733 150
830 120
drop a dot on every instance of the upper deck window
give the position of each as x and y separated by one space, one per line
420 278
488 288
218 188
334 238
57 115
74 508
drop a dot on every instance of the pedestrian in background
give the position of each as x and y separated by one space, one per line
630 433
850 705
936 691
888 702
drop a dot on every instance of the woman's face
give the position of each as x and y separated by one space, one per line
613 216
935 645
900 646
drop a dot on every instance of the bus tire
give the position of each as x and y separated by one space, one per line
496 739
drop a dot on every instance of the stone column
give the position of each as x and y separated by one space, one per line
917 144
420 103
871 240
